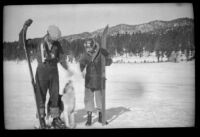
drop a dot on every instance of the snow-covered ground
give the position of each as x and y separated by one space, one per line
137 95
150 58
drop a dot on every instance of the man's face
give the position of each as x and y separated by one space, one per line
89 46
49 38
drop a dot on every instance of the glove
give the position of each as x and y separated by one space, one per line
108 61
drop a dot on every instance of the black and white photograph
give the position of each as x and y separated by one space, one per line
98 66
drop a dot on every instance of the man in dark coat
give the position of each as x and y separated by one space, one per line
91 60
49 53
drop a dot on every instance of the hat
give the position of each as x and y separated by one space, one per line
54 32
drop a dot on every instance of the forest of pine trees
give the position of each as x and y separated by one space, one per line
161 42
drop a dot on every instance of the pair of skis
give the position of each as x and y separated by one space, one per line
23 33
103 70
103 75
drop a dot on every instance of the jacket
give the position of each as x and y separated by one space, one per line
49 66
93 69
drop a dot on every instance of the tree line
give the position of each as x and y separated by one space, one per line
163 42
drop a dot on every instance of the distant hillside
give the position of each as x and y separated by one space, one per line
77 36
162 37
156 26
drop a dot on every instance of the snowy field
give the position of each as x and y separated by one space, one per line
137 95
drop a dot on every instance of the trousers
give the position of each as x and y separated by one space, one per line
47 79
91 97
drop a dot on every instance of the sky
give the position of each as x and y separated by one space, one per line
78 18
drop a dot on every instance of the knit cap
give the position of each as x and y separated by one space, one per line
54 32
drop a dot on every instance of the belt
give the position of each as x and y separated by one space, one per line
50 62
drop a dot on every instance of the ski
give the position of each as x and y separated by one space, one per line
103 75
23 40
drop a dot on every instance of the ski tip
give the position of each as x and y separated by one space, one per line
28 22
105 31
107 26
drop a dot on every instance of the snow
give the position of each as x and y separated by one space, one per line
148 57
137 95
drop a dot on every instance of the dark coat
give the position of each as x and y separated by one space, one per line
93 69
57 50
49 67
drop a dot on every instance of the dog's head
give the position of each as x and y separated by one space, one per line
68 87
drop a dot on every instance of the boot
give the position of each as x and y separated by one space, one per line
58 124
89 119
100 118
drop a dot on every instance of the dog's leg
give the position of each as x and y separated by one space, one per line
69 119
72 120
66 118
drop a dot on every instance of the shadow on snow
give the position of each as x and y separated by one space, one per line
111 114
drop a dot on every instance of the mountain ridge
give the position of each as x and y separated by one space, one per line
151 26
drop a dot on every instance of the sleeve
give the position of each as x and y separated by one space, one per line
83 62
104 52
108 61
21 35
28 42
62 57
20 38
